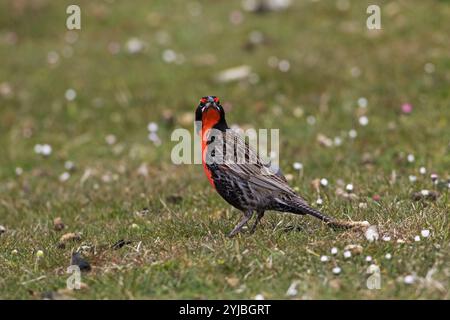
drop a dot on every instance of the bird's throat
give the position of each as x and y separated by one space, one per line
210 118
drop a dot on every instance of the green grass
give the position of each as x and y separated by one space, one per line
183 251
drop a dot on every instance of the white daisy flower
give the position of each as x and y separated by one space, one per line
363 120
409 279
152 127
352 133
298 166
64 176
425 233
362 102
336 270
70 94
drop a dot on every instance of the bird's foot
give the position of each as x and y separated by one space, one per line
241 223
259 216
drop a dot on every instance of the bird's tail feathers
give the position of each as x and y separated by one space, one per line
302 208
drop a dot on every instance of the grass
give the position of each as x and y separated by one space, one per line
179 248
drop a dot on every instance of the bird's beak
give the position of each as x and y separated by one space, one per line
209 106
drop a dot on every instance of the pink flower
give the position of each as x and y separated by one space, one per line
376 197
407 108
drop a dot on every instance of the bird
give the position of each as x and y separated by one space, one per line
239 175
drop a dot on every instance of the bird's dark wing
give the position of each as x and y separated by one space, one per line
244 163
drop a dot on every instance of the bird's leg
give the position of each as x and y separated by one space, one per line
259 216
247 215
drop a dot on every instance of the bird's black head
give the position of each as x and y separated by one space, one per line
210 113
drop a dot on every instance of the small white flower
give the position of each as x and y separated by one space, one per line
422 170
334 250
259 297
38 148
409 279
64 176
347 254
39 253
363 120
298 166
134 226
169 56
336 270
417 238
298 112
425 192
69 165
337 141
46 150
19 171
410 158
371 234
134 45
400 241
70 94
349 187
324 182
319 201
110 139
14 251
425 233
388 256
352 133
368 258
152 127
153 136
386 238
362 205
52 57
292 290
324 258
284 65
362 102
311 120
412 178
